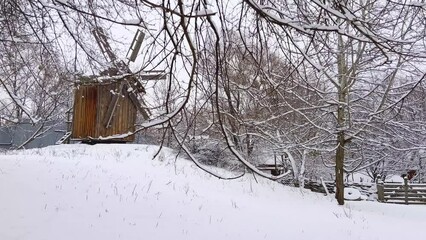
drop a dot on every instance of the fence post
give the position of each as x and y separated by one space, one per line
380 190
406 189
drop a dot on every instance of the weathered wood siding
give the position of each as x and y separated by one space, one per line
124 115
84 116
90 108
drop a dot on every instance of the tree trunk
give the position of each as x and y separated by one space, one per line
340 157
341 122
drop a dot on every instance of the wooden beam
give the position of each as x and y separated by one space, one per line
161 76
112 107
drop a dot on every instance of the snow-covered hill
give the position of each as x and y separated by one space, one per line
119 192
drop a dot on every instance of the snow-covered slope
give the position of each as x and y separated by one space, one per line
120 192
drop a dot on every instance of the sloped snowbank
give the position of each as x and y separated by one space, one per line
120 192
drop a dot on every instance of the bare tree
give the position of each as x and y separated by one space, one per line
355 69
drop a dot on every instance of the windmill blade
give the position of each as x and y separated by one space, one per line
135 84
140 106
135 46
121 66
103 44
161 76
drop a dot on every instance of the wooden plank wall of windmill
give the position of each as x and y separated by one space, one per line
124 115
84 116
90 107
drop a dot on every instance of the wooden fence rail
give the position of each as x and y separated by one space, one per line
405 193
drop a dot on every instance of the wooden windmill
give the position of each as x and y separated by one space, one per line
106 106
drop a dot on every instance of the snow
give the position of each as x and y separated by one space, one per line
352 194
120 192
395 179
116 136
359 178
64 2
132 21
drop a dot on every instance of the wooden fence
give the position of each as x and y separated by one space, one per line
401 193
